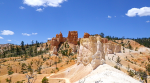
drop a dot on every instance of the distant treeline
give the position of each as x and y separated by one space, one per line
143 41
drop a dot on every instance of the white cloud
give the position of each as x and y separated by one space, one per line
144 11
1 37
21 7
148 21
7 32
45 3
34 33
26 34
114 16
39 9
109 16
49 38
8 40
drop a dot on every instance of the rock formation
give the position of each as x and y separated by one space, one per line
104 40
91 51
74 49
57 40
54 50
86 35
110 48
72 37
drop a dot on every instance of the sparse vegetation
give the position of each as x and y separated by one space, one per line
45 80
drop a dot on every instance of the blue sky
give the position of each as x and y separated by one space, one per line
26 20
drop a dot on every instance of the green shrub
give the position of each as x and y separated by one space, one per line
131 73
45 80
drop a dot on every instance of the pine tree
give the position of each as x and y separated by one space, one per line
22 45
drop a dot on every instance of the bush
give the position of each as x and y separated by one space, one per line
117 67
45 80
10 72
19 82
131 73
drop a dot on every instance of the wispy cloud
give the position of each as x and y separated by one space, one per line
8 40
45 3
34 33
114 16
21 7
144 11
148 21
39 9
7 32
26 34
1 37
109 16
49 38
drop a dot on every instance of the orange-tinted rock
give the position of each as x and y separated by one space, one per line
104 40
57 40
55 50
72 37
86 35
54 42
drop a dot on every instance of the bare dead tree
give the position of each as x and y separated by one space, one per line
31 77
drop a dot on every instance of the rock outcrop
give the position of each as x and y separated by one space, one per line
74 49
104 40
110 48
91 51
72 37
54 50
57 40
86 35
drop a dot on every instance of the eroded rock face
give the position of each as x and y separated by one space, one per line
110 48
57 40
91 51
74 49
104 40
54 50
72 37
86 35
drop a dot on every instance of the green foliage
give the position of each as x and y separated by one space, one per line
23 68
143 41
136 49
102 35
10 70
131 73
130 47
45 80
117 67
118 60
8 80
22 50
148 68
19 82
57 68
78 43
142 74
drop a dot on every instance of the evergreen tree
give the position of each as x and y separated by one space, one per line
22 45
